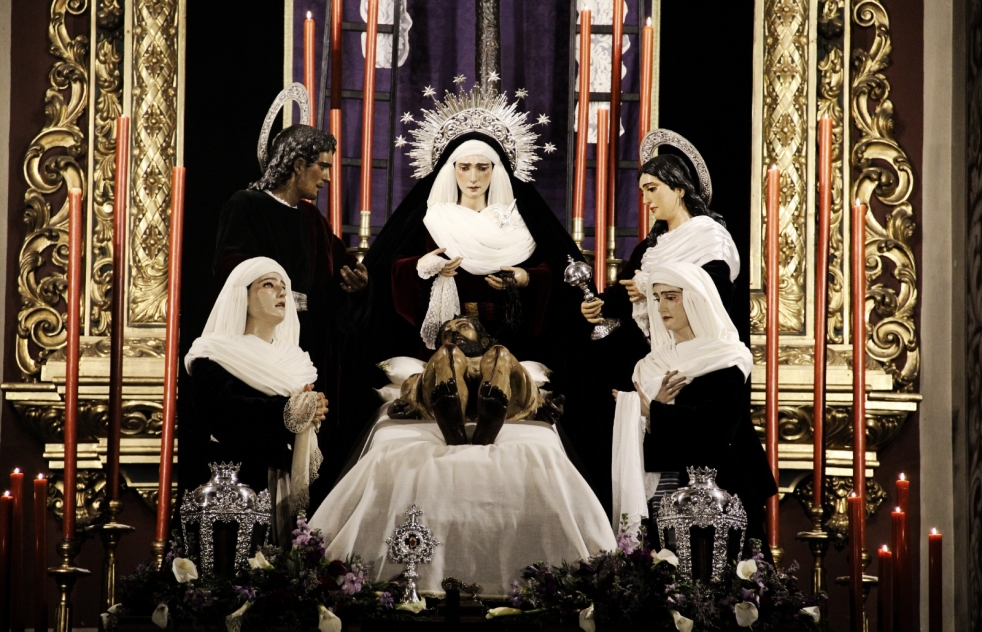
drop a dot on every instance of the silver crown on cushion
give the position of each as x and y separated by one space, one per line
483 110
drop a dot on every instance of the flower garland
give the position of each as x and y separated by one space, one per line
299 588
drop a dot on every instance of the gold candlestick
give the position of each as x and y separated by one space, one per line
868 582
65 576
818 542
111 533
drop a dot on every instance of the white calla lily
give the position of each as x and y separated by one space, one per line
665 556
587 624
233 622
683 624
746 569
159 616
746 613
184 570
327 621
259 562
504 611
813 612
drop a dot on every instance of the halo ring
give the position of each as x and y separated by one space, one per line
295 92
661 136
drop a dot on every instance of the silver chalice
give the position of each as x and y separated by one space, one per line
579 274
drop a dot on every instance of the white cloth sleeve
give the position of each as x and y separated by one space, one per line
639 310
444 301
627 472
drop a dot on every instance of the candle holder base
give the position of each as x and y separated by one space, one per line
65 576
868 582
605 328
818 542
778 554
111 533
157 549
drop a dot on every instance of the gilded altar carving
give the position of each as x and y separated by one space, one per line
90 496
832 71
155 61
51 167
796 425
785 136
836 506
885 175
141 418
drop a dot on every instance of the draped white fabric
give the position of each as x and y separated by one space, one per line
495 508
485 240
277 368
627 472
716 344
698 240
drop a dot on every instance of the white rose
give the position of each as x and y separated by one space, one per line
105 615
813 612
502 612
159 616
327 621
746 613
415 608
184 570
259 562
684 624
586 620
746 569
665 556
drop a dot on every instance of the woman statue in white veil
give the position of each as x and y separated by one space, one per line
252 386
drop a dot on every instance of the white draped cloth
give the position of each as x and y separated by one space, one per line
485 240
698 241
495 508
716 346
277 368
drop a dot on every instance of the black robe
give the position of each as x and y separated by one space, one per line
709 425
247 424
254 224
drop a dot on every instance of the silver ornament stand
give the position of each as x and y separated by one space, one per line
578 274
411 544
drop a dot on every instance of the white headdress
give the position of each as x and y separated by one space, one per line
481 110
716 345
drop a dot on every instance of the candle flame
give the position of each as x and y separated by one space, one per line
898 510
859 202
40 477
773 168
648 21
934 531
902 477
309 15
16 470
852 494
6 494
885 549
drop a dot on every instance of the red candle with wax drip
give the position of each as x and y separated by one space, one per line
17 550
616 53
884 591
337 219
934 581
172 354
120 227
773 323
6 543
600 213
72 324
644 118
368 107
40 552
310 67
821 305
858 263
582 122
856 517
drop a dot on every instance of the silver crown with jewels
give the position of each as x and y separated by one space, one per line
484 110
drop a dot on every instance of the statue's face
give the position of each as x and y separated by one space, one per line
669 299
462 333
663 202
312 177
473 177
267 299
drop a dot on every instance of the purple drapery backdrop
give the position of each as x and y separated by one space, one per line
534 55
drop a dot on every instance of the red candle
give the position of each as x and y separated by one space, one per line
120 226
903 493
600 213
17 550
856 518
773 288
309 67
582 122
6 542
821 305
644 119
884 591
859 354
172 353
337 220
368 108
336 15
72 322
616 52
900 570
934 581
40 552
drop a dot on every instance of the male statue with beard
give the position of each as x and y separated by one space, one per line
470 378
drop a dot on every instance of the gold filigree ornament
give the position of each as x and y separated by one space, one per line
886 174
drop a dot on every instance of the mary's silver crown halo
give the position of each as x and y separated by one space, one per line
484 110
